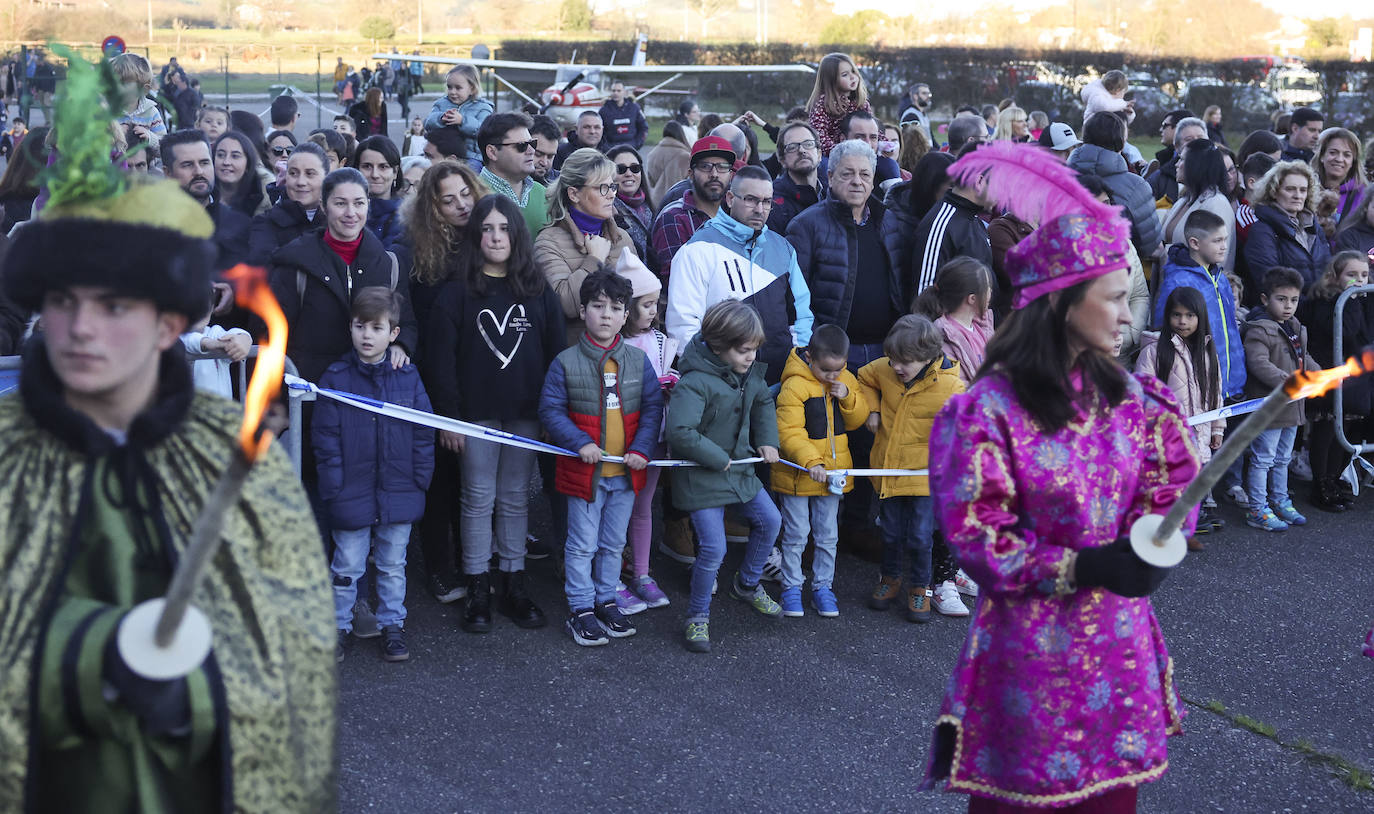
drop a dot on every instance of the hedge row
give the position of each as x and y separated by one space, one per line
1039 80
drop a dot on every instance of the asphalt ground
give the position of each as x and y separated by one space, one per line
820 714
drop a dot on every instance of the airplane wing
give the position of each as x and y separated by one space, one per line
623 69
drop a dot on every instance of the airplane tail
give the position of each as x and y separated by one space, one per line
641 50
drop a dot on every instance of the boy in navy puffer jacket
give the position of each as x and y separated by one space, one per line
373 470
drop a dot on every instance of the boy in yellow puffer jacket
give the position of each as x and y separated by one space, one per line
904 391
818 403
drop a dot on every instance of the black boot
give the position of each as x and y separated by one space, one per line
477 610
1324 495
516 603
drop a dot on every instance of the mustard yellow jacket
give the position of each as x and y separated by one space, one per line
906 415
812 426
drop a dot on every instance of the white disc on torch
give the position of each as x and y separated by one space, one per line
185 652
1167 555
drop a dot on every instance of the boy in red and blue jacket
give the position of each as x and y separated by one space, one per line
601 398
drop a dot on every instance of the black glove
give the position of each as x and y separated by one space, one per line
1117 568
162 707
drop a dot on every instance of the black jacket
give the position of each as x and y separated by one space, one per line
624 124
790 199
951 228
1272 241
573 144
231 235
826 240
1359 238
276 227
486 355
1164 181
319 315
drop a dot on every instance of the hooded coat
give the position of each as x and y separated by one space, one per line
1181 270
1273 241
665 165
813 427
715 416
907 415
1127 190
1183 383
725 259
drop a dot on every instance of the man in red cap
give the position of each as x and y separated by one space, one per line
711 170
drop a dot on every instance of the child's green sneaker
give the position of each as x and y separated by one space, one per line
698 634
757 597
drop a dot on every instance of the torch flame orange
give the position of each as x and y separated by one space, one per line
1307 384
253 293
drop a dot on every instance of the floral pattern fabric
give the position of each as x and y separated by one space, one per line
1058 695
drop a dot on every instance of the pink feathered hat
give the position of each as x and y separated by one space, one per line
1079 237
1065 252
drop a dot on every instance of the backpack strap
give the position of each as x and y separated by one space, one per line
395 269
300 287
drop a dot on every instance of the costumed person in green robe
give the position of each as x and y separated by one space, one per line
108 455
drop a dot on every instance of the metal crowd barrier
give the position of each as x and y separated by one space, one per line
1337 357
9 380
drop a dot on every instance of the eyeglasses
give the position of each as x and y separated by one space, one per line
756 203
282 151
795 146
606 190
621 169
719 168
520 146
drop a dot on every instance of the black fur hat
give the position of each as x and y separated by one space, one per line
164 265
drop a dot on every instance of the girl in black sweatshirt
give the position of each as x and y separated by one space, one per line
492 333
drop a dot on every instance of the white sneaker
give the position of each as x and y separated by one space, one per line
947 600
772 570
1300 467
966 586
1238 496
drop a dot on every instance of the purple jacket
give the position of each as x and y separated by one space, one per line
373 469
1056 696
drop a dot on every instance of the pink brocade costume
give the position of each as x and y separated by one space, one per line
1056 696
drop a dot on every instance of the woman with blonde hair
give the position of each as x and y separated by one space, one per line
1286 231
582 233
1212 118
1012 125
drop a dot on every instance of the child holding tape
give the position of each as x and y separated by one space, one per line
904 390
722 411
819 402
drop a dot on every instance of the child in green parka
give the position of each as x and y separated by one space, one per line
722 411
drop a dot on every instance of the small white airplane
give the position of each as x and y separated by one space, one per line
584 87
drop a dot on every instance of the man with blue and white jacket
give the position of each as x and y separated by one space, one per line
735 256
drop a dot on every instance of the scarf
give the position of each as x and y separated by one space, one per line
346 250
586 224
634 201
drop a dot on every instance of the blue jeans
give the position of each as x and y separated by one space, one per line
596 538
351 547
820 516
1266 482
764 522
908 532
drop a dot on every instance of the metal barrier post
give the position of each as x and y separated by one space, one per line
1338 356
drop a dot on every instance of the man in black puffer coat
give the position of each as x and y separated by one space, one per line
842 251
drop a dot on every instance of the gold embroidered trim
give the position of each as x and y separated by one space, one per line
1036 799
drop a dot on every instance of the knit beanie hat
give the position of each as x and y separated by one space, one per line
642 281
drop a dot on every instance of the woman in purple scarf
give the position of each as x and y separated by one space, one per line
1063 694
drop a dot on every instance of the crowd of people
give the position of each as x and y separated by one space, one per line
773 320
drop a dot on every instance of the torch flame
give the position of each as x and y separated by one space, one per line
252 292
1307 384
